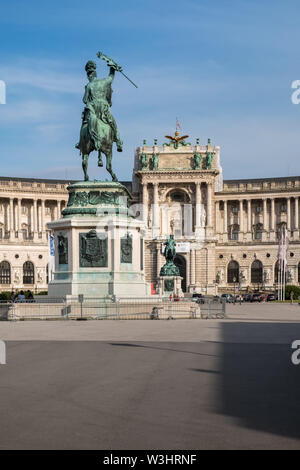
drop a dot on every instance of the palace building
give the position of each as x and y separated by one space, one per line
226 231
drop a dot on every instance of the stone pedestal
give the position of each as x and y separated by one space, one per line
170 285
99 247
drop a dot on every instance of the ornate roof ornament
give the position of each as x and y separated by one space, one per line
176 140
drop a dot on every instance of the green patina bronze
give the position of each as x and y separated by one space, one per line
126 249
170 268
144 161
197 160
93 250
99 129
154 161
169 285
84 198
208 160
62 247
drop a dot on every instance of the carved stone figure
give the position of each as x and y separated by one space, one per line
267 275
290 275
243 275
92 250
220 276
17 276
203 216
40 275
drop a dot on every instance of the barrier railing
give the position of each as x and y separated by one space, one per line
114 309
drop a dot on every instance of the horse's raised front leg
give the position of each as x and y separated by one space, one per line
109 167
85 159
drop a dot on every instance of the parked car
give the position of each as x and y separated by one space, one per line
229 298
256 297
271 297
199 298
247 297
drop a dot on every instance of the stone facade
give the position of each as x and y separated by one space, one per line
26 206
227 230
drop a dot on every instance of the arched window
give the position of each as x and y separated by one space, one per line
4 272
28 273
47 273
233 272
299 272
256 272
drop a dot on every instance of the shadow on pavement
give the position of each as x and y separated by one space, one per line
259 385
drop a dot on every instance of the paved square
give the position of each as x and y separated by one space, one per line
183 384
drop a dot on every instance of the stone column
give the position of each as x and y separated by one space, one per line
145 204
192 268
11 219
198 206
19 217
288 213
209 198
158 266
59 209
272 220
155 227
265 225
217 210
225 228
241 216
296 220
43 228
34 218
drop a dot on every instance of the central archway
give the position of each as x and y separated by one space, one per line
181 264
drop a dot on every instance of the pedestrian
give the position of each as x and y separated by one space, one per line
29 296
12 296
292 296
21 296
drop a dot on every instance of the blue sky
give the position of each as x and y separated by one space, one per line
224 67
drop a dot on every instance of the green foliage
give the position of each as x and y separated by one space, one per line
5 295
295 289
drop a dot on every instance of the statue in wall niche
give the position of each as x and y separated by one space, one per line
169 268
220 276
203 216
144 161
40 276
155 161
197 160
267 275
62 247
243 275
99 129
17 276
290 275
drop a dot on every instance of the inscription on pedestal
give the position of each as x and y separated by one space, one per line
93 250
